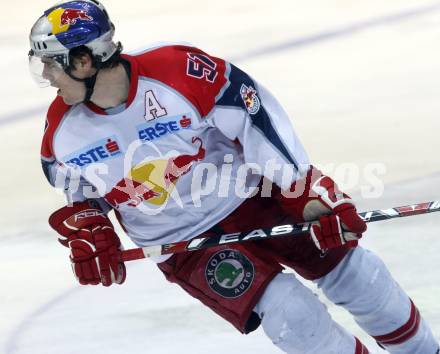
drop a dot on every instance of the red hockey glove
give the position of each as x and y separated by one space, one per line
338 222
94 245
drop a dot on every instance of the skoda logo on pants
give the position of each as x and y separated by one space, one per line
229 273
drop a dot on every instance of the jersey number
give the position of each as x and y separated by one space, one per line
201 67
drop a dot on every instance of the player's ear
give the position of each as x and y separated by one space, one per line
83 64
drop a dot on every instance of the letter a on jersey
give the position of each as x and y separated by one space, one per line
153 109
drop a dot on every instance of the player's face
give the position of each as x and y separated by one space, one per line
44 70
49 71
70 90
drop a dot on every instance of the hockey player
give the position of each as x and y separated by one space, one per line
154 135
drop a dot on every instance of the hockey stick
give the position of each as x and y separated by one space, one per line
201 242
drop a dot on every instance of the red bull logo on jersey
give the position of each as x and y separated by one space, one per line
250 99
172 125
61 19
99 151
153 181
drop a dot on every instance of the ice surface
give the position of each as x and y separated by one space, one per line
361 83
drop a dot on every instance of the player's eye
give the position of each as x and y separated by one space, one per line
49 63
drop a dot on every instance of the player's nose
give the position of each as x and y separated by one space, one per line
48 74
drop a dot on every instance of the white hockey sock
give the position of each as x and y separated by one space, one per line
362 284
298 323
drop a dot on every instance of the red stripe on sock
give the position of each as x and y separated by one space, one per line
360 348
403 333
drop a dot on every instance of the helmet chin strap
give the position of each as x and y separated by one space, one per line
89 82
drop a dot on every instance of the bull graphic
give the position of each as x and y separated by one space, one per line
70 16
130 192
153 181
180 165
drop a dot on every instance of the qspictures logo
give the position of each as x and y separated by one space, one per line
229 273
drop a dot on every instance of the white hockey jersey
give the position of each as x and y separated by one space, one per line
195 134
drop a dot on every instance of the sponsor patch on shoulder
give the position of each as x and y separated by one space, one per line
250 99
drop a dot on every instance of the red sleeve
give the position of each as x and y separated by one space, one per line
54 116
196 75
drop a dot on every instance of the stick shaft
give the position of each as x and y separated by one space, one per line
201 242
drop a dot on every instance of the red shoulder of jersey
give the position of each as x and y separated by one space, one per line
196 75
55 114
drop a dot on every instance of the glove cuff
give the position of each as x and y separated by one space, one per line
71 218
